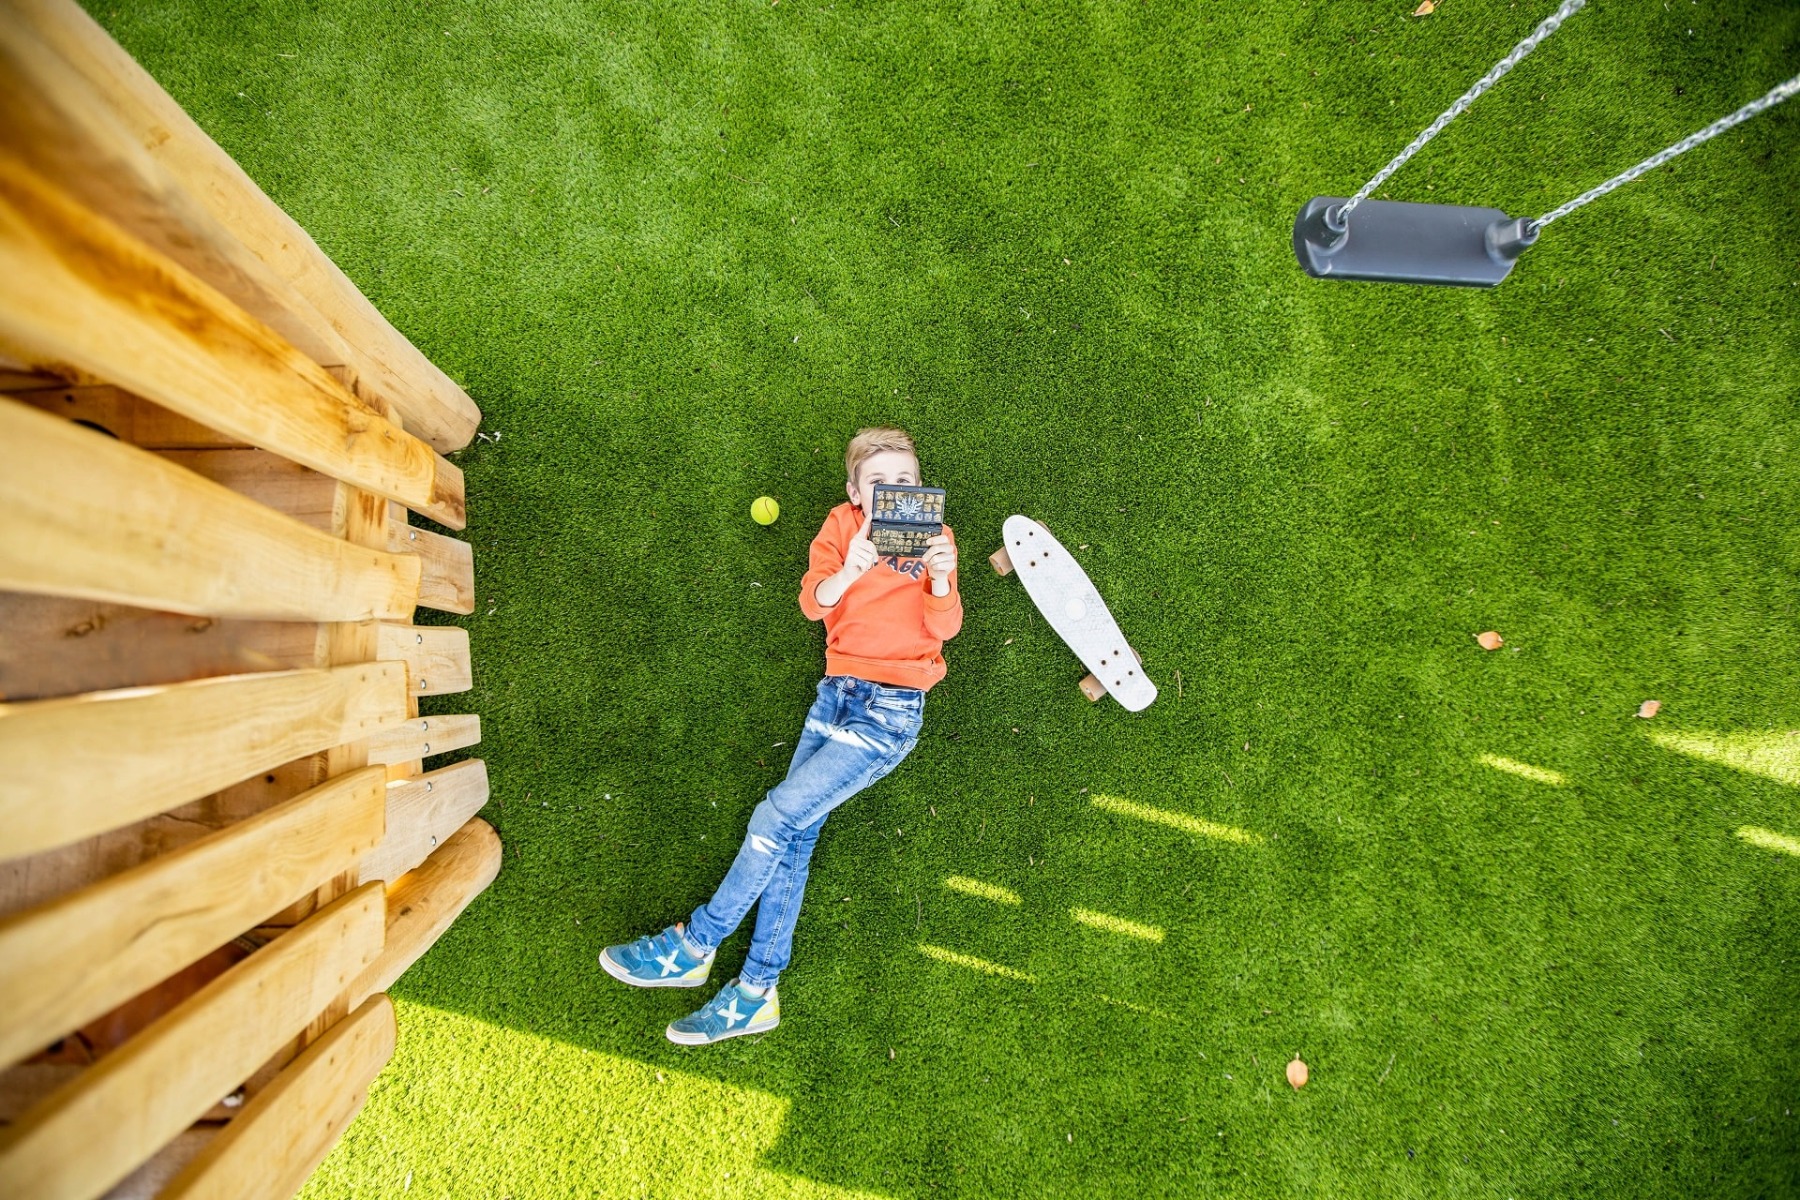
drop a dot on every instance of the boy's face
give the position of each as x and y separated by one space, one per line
889 466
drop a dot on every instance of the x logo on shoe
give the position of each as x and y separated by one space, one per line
668 963
731 1014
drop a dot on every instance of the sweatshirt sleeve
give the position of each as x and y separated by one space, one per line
944 614
825 559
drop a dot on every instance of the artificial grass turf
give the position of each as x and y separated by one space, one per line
1530 945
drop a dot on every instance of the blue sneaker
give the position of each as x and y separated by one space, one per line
662 960
732 1013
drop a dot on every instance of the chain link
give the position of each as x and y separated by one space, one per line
1775 96
1339 217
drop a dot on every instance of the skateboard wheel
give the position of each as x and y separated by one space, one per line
1001 561
1092 688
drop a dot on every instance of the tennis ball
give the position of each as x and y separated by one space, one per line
764 510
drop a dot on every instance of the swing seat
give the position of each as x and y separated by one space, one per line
1387 241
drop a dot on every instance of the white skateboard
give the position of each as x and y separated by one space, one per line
1067 598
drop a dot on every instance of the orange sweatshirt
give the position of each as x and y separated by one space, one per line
888 627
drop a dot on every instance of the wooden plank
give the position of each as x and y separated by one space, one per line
65 131
33 879
16 376
436 656
149 1180
108 1033
300 492
75 289
75 958
424 813
80 765
447 582
90 1134
92 517
60 646
430 404
286 1131
24 1084
423 903
422 737
128 417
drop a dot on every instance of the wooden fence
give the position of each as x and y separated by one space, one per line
218 842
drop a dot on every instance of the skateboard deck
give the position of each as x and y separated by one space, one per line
1068 599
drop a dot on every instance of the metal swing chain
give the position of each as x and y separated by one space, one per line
1779 93
1338 218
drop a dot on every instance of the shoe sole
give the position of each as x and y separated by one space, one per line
700 1039
623 976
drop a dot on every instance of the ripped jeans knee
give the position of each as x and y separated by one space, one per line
771 832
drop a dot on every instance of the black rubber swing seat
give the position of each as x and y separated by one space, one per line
1386 241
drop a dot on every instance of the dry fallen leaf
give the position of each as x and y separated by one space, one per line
1649 708
1425 9
1489 640
1297 1073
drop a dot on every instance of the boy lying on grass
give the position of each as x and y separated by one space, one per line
886 622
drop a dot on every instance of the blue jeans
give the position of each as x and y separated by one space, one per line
855 733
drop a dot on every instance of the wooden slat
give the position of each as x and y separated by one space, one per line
69 961
287 487
424 813
76 289
431 405
422 737
24 1084
33 879
61 646
36 878
148 1181
80 765
92 517
15 376
128 417
286 1131
90 1134
448 580
423 903
436 656
65 131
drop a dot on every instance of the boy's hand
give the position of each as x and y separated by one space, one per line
940 558
860 555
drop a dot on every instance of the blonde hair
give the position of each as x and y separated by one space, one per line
877 440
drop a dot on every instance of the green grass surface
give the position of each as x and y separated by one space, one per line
679 252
